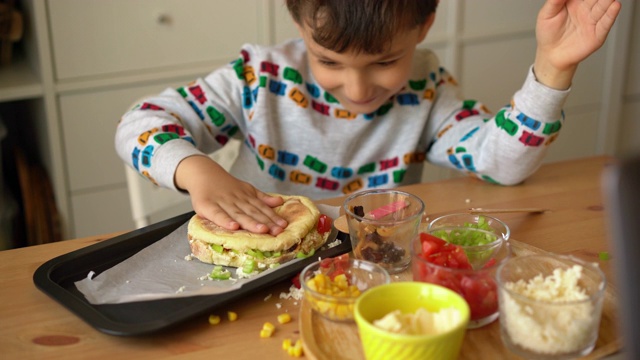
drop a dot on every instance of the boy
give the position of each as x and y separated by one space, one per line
352 105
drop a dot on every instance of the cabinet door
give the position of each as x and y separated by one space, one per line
97 183
101 212
98 37
89 123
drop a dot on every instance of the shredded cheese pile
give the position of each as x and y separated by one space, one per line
561 286
422 322
560 319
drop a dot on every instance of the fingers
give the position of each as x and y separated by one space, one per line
600 8
258 217
608 18
231 203
603 13
250 213
271 202
220 218
552 8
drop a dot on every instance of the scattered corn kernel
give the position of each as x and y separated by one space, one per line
214 319
284 318
294 350
232 316
267 330
286 344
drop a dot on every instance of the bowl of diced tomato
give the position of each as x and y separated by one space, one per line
472 274
332 285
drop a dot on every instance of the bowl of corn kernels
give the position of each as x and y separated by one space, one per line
332 285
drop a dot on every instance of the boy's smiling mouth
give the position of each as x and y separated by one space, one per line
363 102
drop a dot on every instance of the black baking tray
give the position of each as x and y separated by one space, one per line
57 278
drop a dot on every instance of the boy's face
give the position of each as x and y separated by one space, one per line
363 82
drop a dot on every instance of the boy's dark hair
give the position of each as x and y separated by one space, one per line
362 26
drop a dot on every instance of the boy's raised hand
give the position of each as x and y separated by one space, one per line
228 202
567 32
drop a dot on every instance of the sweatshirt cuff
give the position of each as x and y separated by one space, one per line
539 101
169 156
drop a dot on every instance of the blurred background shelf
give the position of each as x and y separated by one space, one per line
18 81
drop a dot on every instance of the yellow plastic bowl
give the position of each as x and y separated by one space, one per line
408 297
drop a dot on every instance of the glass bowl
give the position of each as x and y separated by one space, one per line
472 221
382 223
332 286
550 305
473 277
460 229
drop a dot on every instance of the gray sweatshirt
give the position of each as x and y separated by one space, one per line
299 140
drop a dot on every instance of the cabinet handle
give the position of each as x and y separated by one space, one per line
164 19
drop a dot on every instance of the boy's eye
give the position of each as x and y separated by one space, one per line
386 63
327 62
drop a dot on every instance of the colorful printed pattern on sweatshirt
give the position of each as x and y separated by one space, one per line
304 168
528 131
150 140
309 169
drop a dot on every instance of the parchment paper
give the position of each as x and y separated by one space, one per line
162 270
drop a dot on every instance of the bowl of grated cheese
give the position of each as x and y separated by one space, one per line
550 305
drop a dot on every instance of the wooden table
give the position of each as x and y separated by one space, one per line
32 325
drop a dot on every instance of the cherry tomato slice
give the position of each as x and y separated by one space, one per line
440 252
324 224
296 281
430 244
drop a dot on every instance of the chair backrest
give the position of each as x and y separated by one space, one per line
150 203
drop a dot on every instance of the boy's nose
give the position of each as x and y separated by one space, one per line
357 87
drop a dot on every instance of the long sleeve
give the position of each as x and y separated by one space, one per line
504 148
298 139
159 132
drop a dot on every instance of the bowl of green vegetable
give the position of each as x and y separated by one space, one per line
480 236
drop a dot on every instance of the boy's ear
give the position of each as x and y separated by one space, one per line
426 27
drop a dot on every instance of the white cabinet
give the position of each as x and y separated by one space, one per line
83 62
100 49
97 186
97 37
101 212
88 127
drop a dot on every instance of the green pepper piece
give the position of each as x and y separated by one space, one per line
218 273
255 253
301 255
249 266
217 248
